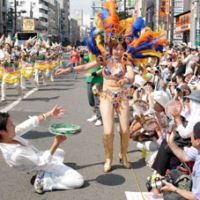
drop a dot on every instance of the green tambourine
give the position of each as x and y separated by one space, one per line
64 129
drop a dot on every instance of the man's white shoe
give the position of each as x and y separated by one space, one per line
38 184
92 119
98 123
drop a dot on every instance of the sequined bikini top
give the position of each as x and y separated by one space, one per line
114 70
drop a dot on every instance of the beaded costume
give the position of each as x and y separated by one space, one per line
142 45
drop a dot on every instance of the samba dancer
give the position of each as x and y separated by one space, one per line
117 72
112 98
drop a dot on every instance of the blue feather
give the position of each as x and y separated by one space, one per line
85 42
140 56
91 43
160 48
104 14
138 25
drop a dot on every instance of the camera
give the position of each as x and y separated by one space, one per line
157 182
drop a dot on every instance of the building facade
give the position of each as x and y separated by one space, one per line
3 17
75 32
53 21
64 21
46 14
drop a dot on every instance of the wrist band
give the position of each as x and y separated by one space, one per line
44 116
71 69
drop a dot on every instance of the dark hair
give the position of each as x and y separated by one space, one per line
150 84
180 76
114 43
3 120
196 130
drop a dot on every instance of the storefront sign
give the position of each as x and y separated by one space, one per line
28 24
183 23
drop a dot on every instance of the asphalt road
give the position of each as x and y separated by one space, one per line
84 151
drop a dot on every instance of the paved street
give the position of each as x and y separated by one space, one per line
84 151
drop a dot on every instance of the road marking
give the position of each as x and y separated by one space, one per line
13 104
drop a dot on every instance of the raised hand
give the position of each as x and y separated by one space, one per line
61 71
56 111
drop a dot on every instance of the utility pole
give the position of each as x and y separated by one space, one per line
125 8
172 22
31 10
15 15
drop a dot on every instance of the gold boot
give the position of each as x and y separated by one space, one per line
108 147
124 146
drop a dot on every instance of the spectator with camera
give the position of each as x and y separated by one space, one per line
191 154
182 139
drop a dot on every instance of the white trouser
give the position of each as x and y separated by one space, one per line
49 74
3 89
37 76
60 176
23 82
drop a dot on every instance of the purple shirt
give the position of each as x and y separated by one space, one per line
194 154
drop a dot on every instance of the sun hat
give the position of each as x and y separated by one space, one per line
161 97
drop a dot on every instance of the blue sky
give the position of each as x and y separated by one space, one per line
77 5
81 4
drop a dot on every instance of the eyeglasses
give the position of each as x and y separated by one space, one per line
3 120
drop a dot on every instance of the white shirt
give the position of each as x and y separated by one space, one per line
1 54
24 156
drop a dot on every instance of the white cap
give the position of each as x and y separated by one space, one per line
161 97
164 63
139 80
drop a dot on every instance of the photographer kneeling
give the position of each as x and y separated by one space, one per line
191 154
21 155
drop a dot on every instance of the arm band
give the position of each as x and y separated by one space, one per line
94 74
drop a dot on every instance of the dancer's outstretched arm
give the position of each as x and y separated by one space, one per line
79 68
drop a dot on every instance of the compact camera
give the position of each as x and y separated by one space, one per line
157 182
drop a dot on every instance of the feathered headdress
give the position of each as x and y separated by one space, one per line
16 43
144 42
2 40
9 41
